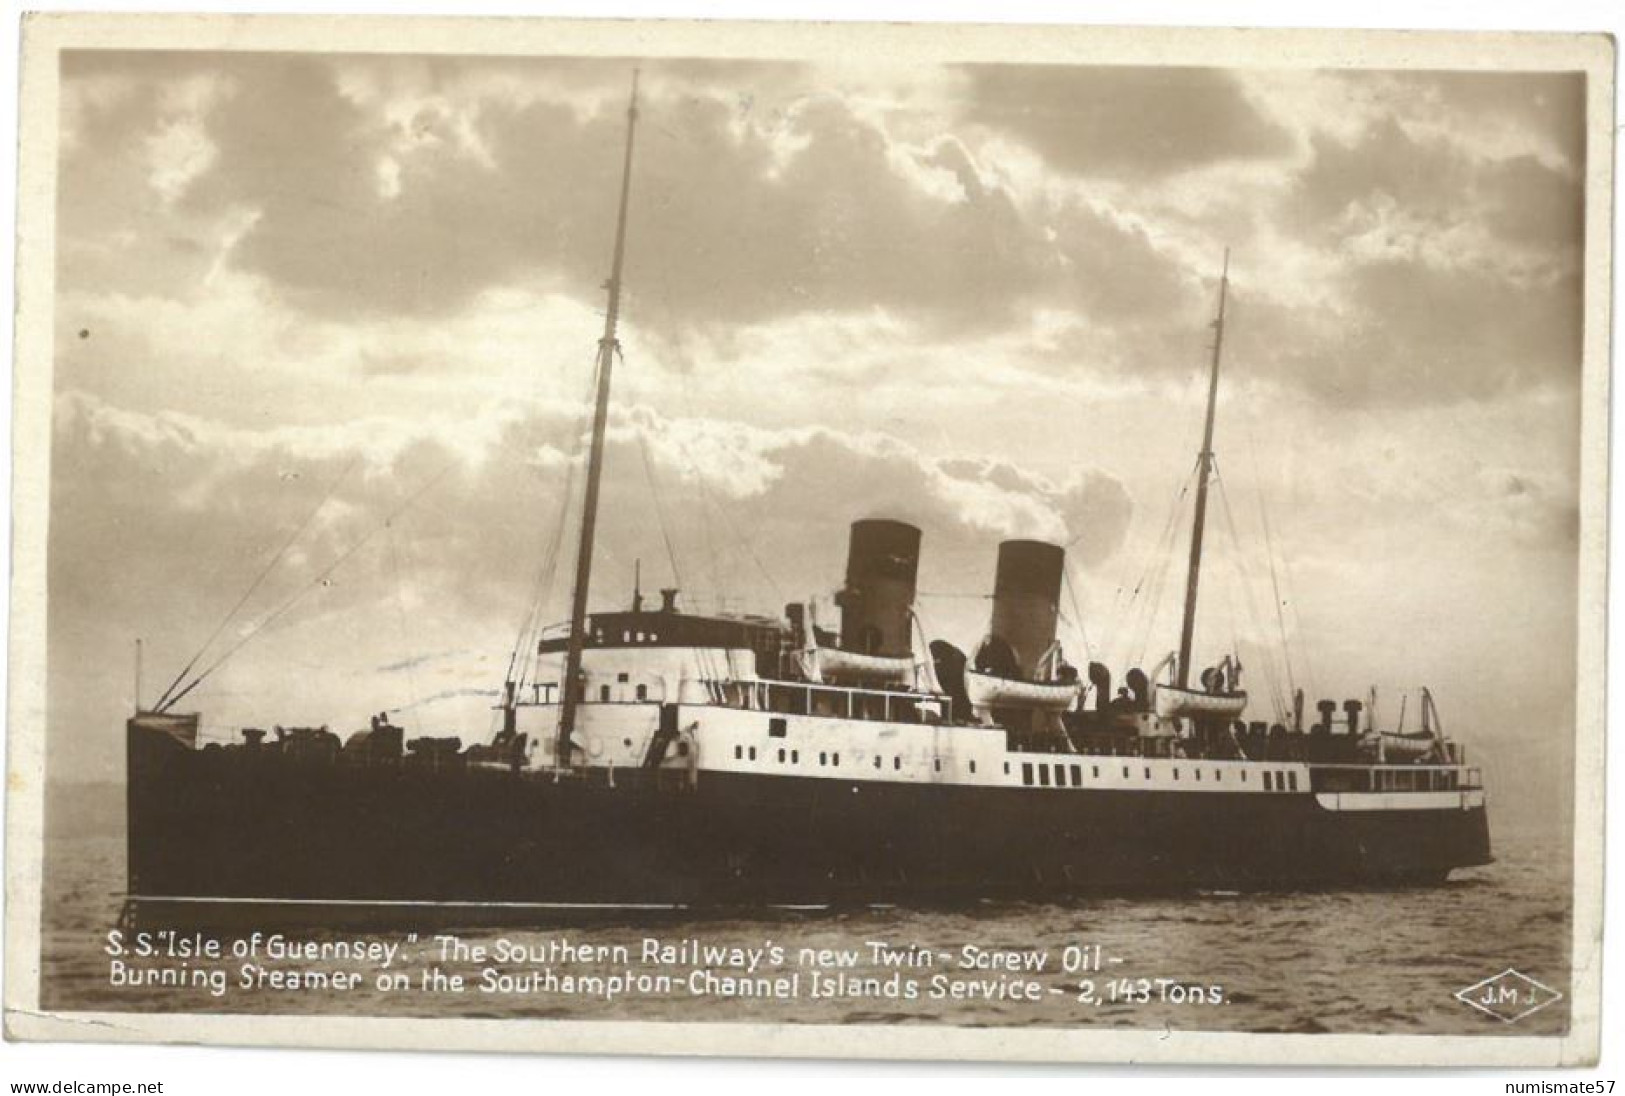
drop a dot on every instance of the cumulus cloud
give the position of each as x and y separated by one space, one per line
1127 123
381 190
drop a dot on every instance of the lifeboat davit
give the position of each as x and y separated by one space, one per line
1172 702
822 664
987 691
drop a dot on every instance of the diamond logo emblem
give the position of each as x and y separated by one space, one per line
1508 996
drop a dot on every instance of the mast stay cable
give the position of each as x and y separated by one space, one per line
266 621
1271 673
265 572
400 611
531 625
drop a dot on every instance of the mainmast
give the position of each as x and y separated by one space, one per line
608 347
1204 468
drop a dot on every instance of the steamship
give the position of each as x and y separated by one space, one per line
653 758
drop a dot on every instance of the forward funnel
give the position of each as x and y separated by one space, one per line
882 564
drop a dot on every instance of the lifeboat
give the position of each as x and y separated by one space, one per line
987 691
1400 747
821 664
1172 702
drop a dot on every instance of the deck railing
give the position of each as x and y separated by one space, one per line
831 701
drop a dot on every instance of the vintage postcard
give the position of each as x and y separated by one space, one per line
703 538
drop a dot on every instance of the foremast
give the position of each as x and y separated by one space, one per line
608 346
1204 469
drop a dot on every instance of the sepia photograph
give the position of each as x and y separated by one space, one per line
1085 537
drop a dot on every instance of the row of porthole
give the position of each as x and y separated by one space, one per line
606 696
833 760
1273 781
742 753
601 636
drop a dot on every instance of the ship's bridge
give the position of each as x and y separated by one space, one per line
667 627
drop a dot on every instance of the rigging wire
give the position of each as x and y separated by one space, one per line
265 622
660 509
708 507
541 586
655 492
1271 672
1143 614
531 626
400 608
1077 611
259 579
726 519
1269 551
1275 588
750 549
1297 618
1127 609
1243 581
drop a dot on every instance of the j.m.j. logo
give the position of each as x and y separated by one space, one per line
1509 996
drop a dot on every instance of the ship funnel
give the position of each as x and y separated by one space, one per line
882 563
1026 601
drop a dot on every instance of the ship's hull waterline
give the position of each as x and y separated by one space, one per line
221 838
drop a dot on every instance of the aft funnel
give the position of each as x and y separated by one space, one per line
1026 605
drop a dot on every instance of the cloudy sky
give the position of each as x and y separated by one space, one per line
974 297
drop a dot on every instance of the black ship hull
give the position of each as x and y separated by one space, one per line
222 834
